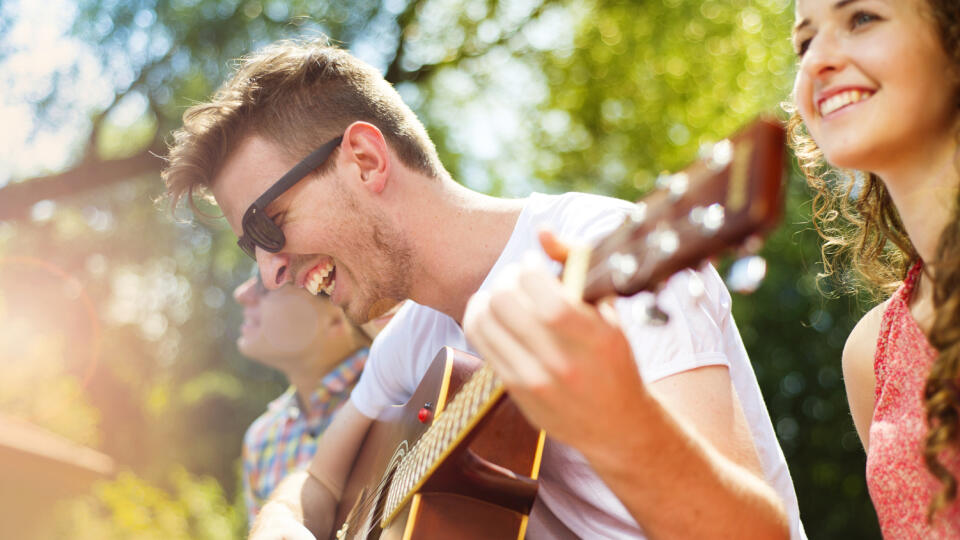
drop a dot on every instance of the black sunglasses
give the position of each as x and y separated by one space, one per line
258 229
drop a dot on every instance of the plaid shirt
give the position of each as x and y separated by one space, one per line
284 438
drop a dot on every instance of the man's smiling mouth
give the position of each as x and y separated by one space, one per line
322 278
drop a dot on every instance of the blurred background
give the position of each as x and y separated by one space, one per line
123 399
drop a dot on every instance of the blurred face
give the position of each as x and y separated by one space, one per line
288 325
335 241
874 82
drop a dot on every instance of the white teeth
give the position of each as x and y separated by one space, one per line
329 288
838 101
313 283
317 276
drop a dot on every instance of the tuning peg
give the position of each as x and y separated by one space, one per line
718 155
656 316
708 219
675 184
623 266
638 214
746 274
648 312
664 240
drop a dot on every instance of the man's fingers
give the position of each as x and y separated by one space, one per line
608 310
552 245
300 533
288 529
517 315
497 346
552 307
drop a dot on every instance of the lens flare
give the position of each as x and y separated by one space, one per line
73 291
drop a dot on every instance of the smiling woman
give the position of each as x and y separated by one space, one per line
878 91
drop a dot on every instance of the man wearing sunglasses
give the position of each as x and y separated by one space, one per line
648 429
320 352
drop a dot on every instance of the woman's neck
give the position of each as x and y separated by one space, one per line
924 190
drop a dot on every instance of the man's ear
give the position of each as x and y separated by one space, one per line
365 147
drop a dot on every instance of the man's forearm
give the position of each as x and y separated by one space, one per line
304 499
675 484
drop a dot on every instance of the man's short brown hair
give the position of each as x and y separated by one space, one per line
299 95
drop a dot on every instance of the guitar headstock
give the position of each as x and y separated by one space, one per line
733 193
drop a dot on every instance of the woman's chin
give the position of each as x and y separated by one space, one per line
848 159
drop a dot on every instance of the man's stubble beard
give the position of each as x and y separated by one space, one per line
389 269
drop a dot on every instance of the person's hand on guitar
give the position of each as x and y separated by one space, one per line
566 363
659 446
278 522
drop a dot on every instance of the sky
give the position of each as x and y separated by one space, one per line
34 53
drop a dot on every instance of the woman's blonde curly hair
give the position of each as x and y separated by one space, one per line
862 231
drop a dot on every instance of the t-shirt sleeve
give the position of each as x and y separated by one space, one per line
693 336
394 369
378 386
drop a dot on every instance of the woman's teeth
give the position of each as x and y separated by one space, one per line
841 100
321 280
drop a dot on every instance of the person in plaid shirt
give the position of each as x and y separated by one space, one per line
321 353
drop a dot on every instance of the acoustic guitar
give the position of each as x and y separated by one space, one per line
459 460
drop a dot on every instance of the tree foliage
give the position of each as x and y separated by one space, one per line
190 508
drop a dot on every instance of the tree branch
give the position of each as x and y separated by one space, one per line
394 70
16 199
395 73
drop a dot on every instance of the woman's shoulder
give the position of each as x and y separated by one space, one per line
861 344
859 374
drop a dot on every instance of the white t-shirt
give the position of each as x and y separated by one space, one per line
699 333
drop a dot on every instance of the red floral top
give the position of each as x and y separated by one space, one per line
900 484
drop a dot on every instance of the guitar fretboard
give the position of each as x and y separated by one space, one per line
449 427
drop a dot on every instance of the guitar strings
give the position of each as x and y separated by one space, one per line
476 391
368 502
363 507
371 501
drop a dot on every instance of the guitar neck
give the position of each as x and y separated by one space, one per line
449 428
733 193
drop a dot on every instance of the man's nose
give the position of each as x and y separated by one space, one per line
274 268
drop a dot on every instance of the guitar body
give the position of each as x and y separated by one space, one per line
483 489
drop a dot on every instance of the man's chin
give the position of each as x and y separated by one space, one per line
356 316
379 318
382 307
